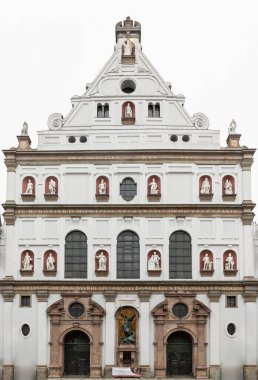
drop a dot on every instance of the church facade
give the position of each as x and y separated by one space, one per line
128 237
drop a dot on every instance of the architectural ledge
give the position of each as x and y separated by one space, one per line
205 197
128 120
51 197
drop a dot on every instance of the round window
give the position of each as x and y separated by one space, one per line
128 189
173 138
128 86
71 139
76 310
25 329
180 310
231 329
185 138
83 139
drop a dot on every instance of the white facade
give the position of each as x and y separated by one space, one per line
96 141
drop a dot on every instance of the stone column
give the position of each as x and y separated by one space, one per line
144 333
8 368
110 333
214 341
95 368
201 368
250 367
42 370
248 250
159 345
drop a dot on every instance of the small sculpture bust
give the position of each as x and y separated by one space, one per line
128 111
24 130
27 262
52 186
102 187
232 127
207 264
229 262
153 262
29 187
102 261
153 187
228 188
50 263
127 47
206 187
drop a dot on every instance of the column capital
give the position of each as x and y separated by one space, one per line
8 293
144 296
250 296
110 296
214 296
42 295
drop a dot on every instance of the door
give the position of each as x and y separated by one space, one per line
179 354
76 354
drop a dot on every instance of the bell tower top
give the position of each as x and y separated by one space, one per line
128 29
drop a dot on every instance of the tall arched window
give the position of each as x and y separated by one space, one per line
76 255
180 255
157 110
128 255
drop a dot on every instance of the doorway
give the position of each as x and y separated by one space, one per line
76 354
179 354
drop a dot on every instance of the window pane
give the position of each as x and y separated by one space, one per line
128 255
128 189
76 255
180 255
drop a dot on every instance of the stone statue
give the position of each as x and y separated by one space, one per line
206 187
24 130
27 262
153 187
229 263
128 111
207 264
50 263
153 262
127 47
129 334
29 187
102 187
102 261
228 188
232 127
52 186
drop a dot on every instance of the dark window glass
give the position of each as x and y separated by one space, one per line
185 138
231 301
99 110
71 139
76 255
173 138
83 139
231 329
25 329
157 110
128 255
25 301
106 110
150 110
128 189
76 309
180 310
128 86
180 255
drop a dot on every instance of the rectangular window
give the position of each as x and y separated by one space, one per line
25 301
231 301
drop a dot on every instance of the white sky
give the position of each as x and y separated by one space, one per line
207 49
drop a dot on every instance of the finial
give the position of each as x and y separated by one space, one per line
232 127
24 130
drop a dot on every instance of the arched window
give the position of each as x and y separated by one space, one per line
157 110
102 110
150 110
106 110
128 255
153 110
76 255
180 255
99 110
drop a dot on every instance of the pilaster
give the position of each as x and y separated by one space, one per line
8 368
110 333
215 369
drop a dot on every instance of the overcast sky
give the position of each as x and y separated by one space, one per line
207 49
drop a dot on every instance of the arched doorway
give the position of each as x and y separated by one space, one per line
179 354
76 353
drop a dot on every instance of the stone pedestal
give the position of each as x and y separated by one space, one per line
8 371
215 372
41 372
250 372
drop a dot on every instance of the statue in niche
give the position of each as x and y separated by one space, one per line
29 187
232 127
50 262
127 47
153 262
102 187
207 264
127 328
153 187
128 111
206 187
25 128
228 187
26 262
52 186
102 261
229 262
